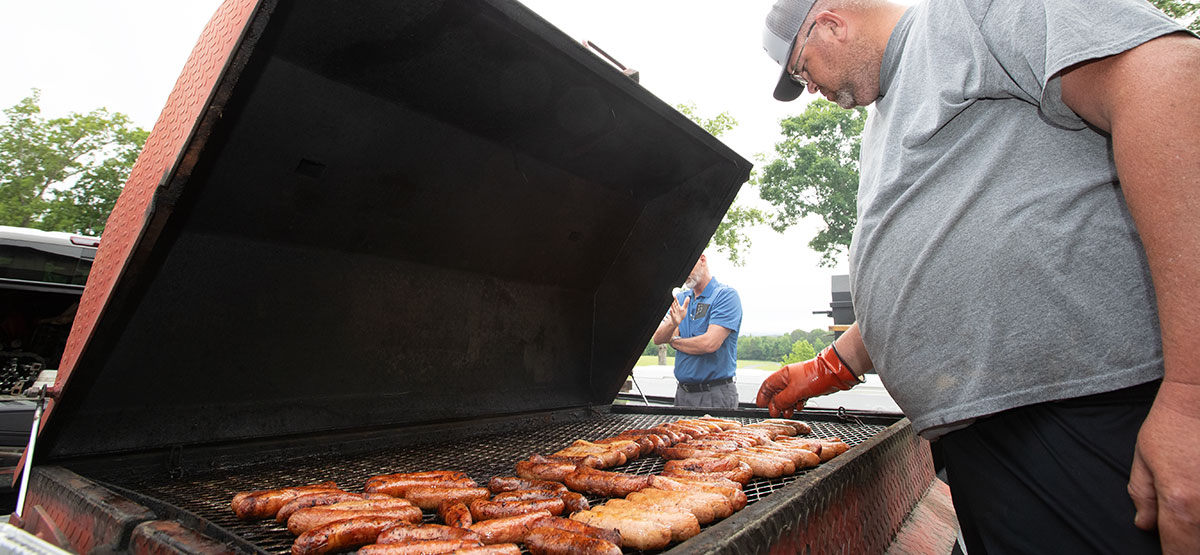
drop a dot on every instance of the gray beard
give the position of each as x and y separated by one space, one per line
845 99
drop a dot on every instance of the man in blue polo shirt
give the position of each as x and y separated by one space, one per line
702 326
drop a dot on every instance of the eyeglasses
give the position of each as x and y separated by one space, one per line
793 72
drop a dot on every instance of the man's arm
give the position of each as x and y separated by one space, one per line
1148 99
850 348
709 342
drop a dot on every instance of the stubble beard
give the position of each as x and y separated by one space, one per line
862 71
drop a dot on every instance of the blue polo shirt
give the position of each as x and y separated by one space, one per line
719 304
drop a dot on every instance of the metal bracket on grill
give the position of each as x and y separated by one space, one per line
847 417
639 388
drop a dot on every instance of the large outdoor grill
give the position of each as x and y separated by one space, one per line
383 236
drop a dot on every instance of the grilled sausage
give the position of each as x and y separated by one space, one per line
801 428
553 541
429 547
708 427
321 498
485 509
404 532
610 455
741 475
758 434
655 438
673 436
724 423
266 503
801 458
813 445
306 519
766 466
579 528
774 429
626 446
511 483
510 529
741 439
704 514
341 535
439 475
713 444
574 502
495 549
688 452
455 513
706 506
732 491
635 533
605 484
552 471
832 447
683 523
397 487
429 497
526 495
644 443
585 460
704 464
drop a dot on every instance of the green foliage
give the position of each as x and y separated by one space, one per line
763 347
651 350
801 351
819 339
730 237
1181 11
64 174
816 172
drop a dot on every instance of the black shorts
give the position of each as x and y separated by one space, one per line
1051 477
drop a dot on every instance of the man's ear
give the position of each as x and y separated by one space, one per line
832 23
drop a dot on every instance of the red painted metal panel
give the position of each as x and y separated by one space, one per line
161 153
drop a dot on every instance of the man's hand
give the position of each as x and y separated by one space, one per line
785 390
1163 482
679 311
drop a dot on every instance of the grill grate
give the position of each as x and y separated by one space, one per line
482 457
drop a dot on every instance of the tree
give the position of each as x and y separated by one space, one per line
818 338
1181 11
801 351
730 237
64 174
816 172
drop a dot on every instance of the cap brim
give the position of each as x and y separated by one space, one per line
787 90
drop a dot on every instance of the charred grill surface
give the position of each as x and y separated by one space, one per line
481 456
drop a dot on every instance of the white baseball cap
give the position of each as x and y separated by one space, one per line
779 36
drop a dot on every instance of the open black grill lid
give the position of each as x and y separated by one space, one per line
400 212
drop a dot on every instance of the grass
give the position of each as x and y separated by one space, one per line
651 360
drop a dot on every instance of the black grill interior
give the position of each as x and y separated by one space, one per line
481 456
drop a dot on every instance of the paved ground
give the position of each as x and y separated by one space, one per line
659 381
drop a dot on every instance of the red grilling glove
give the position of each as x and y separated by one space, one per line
785 390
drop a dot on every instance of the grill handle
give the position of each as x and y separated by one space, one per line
37 421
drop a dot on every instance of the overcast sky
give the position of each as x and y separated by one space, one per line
125 55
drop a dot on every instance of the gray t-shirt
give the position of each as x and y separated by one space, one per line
995 263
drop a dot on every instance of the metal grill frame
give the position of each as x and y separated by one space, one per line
195 486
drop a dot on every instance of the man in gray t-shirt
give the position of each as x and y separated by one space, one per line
1027 252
